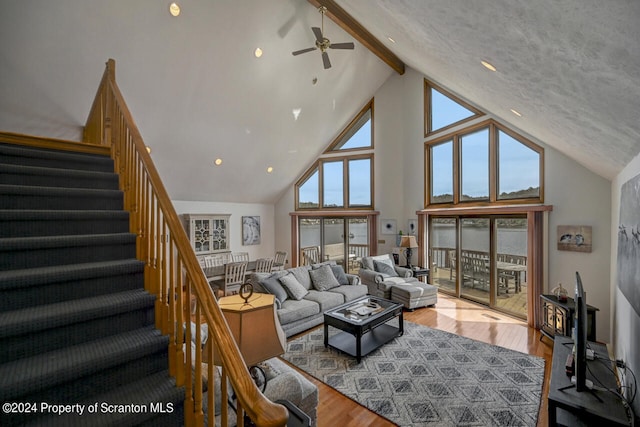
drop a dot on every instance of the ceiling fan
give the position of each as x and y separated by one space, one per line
323 43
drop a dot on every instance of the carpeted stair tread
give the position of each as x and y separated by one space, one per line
59 215
25 243
34 222
39 190
13 279
56 177
33 319
17 154
25 376
156 388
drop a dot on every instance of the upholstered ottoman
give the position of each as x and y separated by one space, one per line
414 295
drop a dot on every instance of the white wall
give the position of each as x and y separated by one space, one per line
266 248
626 322
578 196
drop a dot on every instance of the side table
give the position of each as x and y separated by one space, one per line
420 273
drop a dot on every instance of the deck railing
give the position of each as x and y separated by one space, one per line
173 274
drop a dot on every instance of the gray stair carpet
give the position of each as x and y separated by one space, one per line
76 325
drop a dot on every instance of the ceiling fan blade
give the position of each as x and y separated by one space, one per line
341 45
325 60
318 33
298 52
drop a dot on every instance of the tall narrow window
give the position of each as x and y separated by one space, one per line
332 185
441 168
474 165
519 169
308 194
359 182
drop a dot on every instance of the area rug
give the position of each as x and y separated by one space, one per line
430 377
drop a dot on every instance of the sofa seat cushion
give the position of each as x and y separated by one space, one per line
399 280
325 300
351 292
293 310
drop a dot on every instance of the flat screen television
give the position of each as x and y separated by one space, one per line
580 336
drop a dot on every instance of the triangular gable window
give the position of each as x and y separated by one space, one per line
357 135
444 110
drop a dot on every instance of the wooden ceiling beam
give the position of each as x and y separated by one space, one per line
338 15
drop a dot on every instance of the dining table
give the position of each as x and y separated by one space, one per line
217 272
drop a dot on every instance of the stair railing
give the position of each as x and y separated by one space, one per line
174 276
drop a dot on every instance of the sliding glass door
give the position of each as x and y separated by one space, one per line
482 258
344 240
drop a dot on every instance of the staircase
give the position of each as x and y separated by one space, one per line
76 325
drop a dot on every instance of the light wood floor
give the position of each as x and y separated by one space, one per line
458 317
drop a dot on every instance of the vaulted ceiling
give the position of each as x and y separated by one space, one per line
197 92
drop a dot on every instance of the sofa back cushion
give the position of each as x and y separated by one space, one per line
323 278
367 262
384 268
273 286
293 287
302 274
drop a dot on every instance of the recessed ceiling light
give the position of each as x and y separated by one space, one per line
218 162
391 39
488 66
269 169
257 52
174 9
296 113
516 112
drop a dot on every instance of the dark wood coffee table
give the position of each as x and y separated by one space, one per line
364 328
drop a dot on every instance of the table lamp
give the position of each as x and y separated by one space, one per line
408 242
255 327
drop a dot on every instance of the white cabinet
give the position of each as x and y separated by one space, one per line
208 233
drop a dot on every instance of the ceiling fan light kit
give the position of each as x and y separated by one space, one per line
323 43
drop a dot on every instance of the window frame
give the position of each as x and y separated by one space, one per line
493 199
427 109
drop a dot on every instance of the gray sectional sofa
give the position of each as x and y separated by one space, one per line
304 293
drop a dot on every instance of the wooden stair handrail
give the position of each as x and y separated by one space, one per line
172 270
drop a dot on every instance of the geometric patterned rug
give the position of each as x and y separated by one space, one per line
430 377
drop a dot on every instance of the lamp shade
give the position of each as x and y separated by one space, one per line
408 242
255 327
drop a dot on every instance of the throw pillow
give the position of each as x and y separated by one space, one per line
323 278
274 287
341 276
293 287
385 268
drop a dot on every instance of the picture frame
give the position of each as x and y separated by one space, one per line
412 226
388 226
628 271
250 230
576 238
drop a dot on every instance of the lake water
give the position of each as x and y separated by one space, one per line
510 240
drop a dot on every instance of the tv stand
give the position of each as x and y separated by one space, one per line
569 407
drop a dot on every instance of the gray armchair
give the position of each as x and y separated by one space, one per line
380 274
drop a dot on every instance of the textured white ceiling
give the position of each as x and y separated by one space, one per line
572 67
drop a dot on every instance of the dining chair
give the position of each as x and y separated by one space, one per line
264 265
234 273
279 260
240 256
310 255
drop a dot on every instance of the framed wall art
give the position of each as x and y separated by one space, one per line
628 267
250 230
575 238
388 226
